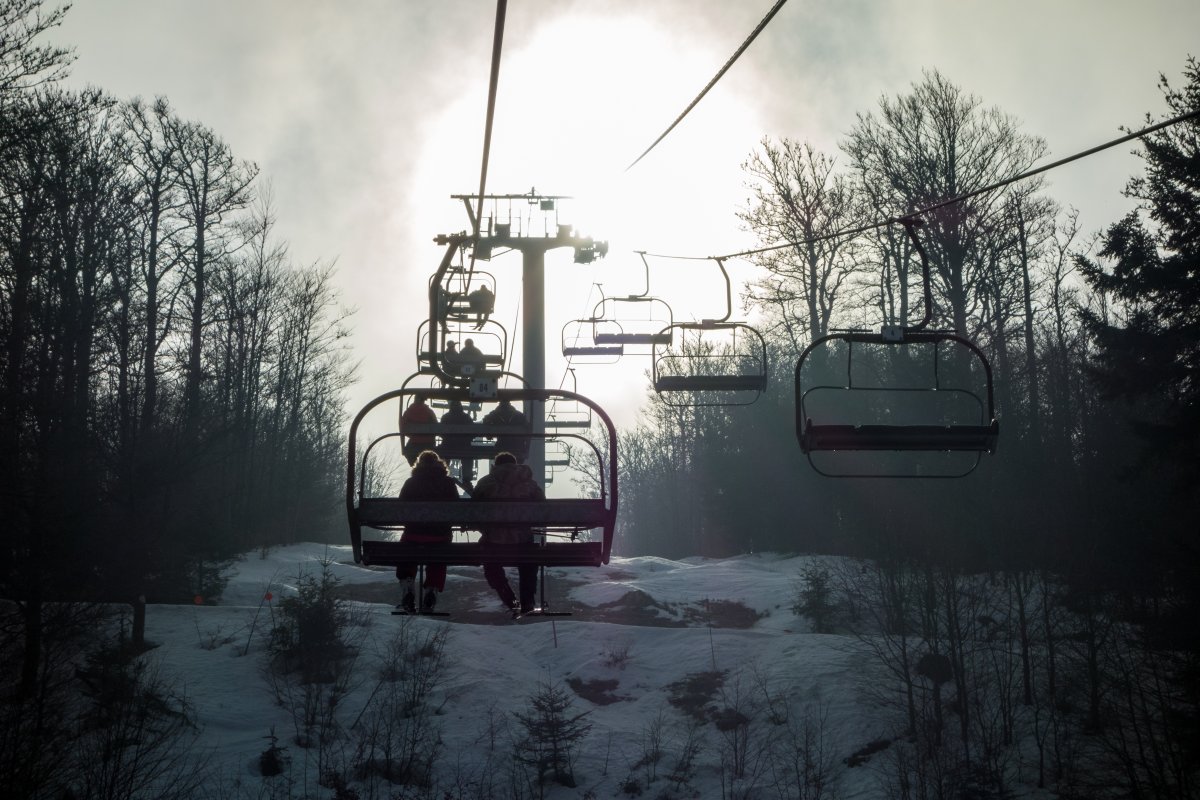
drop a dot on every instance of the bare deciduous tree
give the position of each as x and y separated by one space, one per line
798 197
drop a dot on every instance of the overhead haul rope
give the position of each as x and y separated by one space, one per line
957 199
493 84
778 5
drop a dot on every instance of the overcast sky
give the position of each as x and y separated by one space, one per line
366 115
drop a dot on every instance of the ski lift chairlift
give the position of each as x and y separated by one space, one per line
742 381
615 327
432 358
648 329
453 292
959 418
978 435
576 344
561 522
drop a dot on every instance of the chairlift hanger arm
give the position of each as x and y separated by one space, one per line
646 264
910 227
728 292
452 242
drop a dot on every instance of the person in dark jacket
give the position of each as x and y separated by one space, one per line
451 360
430 480
482 302
459 443
470 358
509 480
417 413
509 416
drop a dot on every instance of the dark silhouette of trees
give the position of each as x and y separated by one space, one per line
25 63
932 145
170 381
1148 268
1057 586
212 184
1146 357
990 257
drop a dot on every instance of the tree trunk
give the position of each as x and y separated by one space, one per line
31 657
149 373
1031 365
196 337
137 630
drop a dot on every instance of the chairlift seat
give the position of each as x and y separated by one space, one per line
466 451
698 383
556 513
461 303
454 360
476 554
632 338
979 438
567 423
606 350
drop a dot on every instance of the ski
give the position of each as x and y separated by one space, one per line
539 612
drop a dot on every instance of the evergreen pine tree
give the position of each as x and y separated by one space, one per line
813 598
552 734
1147 353
1150 353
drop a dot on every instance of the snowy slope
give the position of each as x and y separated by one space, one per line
640 629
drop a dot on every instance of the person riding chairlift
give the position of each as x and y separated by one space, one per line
482 302
509 480
470 358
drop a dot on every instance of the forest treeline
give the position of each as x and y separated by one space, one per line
1054 593
1093 352
171 380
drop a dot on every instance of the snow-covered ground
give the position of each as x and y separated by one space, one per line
641 652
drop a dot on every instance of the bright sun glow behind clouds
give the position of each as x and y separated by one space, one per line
576 104
578 100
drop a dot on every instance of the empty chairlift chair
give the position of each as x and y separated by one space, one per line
710 362
903 403
635 323
579 343
930 393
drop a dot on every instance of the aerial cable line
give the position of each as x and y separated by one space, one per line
1191 115
493 83
778 5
